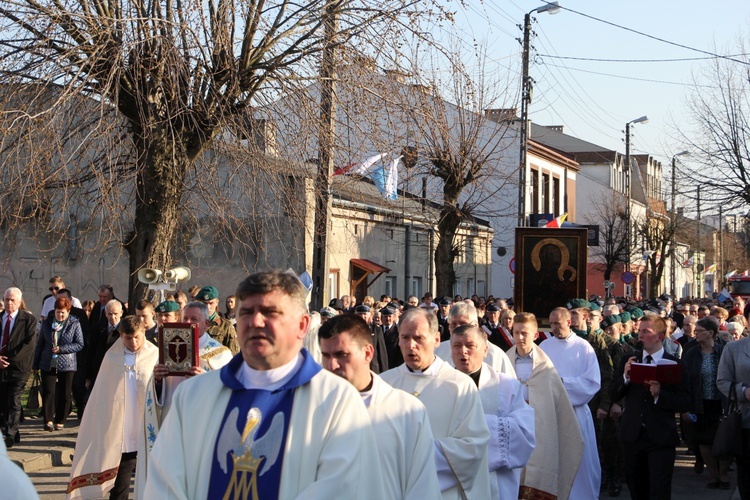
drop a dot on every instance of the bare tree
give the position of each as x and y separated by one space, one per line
717 136
611 217
468 152
156 85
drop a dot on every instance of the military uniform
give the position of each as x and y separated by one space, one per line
222 331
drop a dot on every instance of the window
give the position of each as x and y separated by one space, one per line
416 286
333 283
470 286
481 288
546 194
555 196
534 208
390 286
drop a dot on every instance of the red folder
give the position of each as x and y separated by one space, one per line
666 372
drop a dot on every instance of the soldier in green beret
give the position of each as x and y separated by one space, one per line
611 450
220 329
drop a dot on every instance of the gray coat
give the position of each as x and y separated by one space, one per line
70 342
734 366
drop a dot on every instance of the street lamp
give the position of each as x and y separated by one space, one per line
642 119
673 280
552 8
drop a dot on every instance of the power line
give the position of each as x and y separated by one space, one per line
691 85
594 59
701 51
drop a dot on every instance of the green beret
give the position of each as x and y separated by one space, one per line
624 317
636 313
610 320
594 306
167 306
578 303
207 293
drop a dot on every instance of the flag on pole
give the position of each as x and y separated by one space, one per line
363 168
711 269
557 222
724 295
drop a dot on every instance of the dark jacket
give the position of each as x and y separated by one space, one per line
20 346
692 360
70 342
99 343
658 419
395 358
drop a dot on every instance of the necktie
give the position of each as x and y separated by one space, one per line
6 336
649 359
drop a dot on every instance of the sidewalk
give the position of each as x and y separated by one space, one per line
40 449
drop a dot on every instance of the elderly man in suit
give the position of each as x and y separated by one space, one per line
648 427
17 345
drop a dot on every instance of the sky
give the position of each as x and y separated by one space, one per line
594 100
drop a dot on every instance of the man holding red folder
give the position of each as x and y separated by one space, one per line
648 429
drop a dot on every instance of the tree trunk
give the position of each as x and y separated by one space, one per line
162 165
445 275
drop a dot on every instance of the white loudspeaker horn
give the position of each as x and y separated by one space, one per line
178 274
148 276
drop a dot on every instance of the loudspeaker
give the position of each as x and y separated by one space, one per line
178 274
148 276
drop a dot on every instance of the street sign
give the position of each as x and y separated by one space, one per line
512 265
628 277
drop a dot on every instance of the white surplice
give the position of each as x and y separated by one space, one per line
328 452
511 423
405 444
495 357
458 426
575 361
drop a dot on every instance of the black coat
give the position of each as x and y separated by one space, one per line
658 419
21 346
395 358
379 362
99 342
692 360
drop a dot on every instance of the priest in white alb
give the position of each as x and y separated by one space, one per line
575 361
399 420
271 424
509 418
212 355
554 463
453 405
464 313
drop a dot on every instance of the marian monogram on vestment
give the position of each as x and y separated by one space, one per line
248 454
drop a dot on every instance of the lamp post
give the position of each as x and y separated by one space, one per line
628 190
552 8
673 280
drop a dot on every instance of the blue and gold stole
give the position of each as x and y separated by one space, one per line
249 449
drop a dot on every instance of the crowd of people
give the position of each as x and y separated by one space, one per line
431 398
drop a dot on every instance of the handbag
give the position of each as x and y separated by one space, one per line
35 393
728 440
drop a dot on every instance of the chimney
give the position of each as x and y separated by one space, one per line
557 128
501 114
264 135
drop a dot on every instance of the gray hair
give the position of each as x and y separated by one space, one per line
410 315
111 305
198 305
464 309
15 291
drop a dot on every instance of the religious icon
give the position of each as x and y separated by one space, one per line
178 347
550 268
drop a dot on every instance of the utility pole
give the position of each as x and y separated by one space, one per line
326 138
524 127
673 281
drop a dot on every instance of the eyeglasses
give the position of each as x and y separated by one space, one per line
54 288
